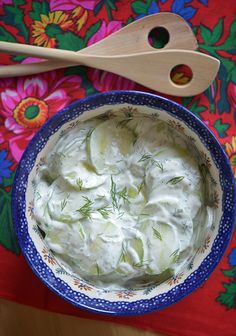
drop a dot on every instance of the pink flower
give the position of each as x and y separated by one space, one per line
71 4
105 30
5 2
26 104
106 81
102 80
231 93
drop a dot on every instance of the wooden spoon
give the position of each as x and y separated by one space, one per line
151 69
131 39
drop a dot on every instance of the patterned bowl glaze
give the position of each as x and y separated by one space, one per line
130 301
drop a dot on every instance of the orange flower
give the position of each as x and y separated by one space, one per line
81 15
45 31
231 151
31 112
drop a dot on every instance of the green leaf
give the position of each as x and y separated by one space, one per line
7 182
223 104
18 2
186 100
139 7
233 75
221 128
18 58
76 70
7 235
228 298
82 72
39 8
111 4
6 36
70 41
217 32
206 34
230 273
195 29
98 7
14 16
92 30
129 20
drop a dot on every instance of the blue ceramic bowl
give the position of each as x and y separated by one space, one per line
128 301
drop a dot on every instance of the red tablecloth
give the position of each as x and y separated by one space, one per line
73 24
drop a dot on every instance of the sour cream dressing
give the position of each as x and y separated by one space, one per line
121 201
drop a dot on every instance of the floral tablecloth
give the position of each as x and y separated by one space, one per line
27 102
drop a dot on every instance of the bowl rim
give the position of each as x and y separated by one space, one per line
197 277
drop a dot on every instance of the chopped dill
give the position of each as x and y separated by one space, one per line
156 234
79 183
98 269
86 209
175 255
175 180
158 165
149 158
145 157
104 211
140 187
64 202
116 195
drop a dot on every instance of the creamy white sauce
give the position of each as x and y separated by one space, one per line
121 201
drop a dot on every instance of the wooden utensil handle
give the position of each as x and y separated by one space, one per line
31 68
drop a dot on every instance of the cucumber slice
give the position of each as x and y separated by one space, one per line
83 176
107 142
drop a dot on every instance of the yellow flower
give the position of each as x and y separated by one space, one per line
81 15
231 151
45 31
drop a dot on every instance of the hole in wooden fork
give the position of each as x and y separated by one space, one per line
158 37
181 74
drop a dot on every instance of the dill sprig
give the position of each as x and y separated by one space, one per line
145 157
141 186
175 180
175 255
86 209
149 158
79 183
104 211
64 202
98 269
158 165
116 195
123 194
156 234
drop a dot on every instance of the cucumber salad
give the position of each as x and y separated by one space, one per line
121 201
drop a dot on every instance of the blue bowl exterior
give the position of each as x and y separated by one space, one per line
181 290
